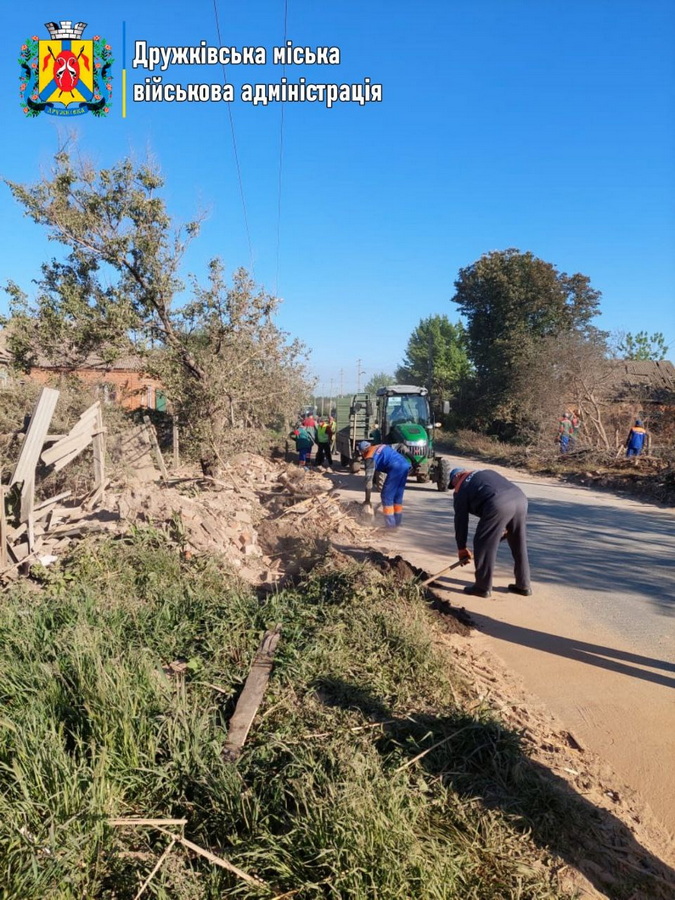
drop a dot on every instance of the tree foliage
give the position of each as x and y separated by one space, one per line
642 346
436 357
566 371
511 301
226 364
379 380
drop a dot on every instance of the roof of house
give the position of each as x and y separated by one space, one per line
72 362
655 377
93 361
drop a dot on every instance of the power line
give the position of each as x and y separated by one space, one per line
281 159
234 146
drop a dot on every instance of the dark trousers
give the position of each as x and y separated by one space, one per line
508 511
323 452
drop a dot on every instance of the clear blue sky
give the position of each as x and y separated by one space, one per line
534 124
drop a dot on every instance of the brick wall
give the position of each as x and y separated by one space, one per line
127 387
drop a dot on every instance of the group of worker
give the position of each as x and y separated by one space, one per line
311 431
501 508
499 505
568 431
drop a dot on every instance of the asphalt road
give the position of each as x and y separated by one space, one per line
596 641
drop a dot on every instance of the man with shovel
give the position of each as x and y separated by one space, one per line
384 458
501 508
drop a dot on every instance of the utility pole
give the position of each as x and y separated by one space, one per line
330 399
359 373
342 372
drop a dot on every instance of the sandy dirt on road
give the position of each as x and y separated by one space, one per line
631 834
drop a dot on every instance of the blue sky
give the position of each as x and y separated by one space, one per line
534 124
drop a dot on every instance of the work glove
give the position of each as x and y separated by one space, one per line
464 556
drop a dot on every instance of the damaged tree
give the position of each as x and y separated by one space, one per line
225 363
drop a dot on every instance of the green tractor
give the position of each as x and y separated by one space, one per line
400 414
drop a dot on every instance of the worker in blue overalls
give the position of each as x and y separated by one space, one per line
635 441
384 458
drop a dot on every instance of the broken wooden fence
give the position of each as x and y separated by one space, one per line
37 524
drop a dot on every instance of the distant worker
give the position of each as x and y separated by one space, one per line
565 430
637 437
324 437
384 458
501 508
304 436
575 422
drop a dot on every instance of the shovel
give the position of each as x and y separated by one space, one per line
460 562
367 506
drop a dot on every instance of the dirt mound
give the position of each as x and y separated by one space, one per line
455 619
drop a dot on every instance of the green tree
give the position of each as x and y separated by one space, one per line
511 300
225 363
436 357
379 380
642 346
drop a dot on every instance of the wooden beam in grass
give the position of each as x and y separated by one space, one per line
252 694
152 434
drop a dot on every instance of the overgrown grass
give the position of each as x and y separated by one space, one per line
326 800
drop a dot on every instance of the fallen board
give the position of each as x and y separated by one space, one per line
252 694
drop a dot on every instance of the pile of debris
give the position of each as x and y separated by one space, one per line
248 515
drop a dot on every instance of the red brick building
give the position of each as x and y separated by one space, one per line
123 381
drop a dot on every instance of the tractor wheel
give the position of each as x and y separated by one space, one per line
443 476
344 461
378 480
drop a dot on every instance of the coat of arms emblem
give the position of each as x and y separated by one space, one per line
66 75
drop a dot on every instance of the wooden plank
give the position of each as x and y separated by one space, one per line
27 497
66 446
174 433
88 424
155 446
252 694
216 860
54 499
33 541
3 527
99 456
35 436
124 821
63 462
88 416
58 511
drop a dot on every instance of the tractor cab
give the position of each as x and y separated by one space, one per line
404 417
405 409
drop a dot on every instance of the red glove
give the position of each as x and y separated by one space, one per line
464 556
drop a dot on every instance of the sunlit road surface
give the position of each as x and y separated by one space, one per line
596 641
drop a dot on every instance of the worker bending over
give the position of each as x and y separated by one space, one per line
501 508
384 458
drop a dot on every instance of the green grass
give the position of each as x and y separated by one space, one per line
323 801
